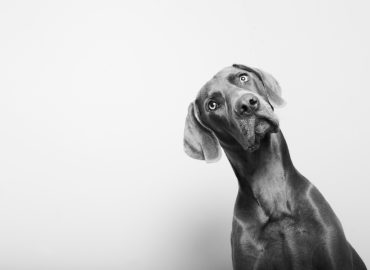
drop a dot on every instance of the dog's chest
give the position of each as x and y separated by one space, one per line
280 245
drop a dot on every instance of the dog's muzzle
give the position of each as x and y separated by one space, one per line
254 120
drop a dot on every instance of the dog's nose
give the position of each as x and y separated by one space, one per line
247 104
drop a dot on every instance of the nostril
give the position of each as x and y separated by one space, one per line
243 108
253 101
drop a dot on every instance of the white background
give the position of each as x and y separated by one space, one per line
93 98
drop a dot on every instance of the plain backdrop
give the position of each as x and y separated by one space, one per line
93 99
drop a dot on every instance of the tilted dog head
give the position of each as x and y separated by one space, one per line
236 107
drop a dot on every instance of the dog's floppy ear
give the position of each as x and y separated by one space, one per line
272 87
199 141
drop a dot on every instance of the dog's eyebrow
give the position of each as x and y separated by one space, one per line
250 70
215 94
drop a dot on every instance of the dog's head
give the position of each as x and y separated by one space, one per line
236 107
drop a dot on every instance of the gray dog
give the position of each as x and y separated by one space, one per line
281 220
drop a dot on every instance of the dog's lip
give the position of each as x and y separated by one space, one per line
258 119
254 129
273 122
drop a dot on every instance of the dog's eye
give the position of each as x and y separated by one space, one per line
243 78
212 105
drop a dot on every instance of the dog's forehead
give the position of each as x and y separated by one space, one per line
226 72
219 81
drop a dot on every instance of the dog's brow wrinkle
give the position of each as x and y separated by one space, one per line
215 93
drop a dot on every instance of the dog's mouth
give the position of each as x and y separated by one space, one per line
253 129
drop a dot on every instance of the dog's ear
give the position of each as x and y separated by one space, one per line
272 87
199 141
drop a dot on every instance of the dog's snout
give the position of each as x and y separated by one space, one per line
247 104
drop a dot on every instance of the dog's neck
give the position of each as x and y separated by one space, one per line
265 175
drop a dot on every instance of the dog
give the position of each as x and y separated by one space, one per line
281 220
